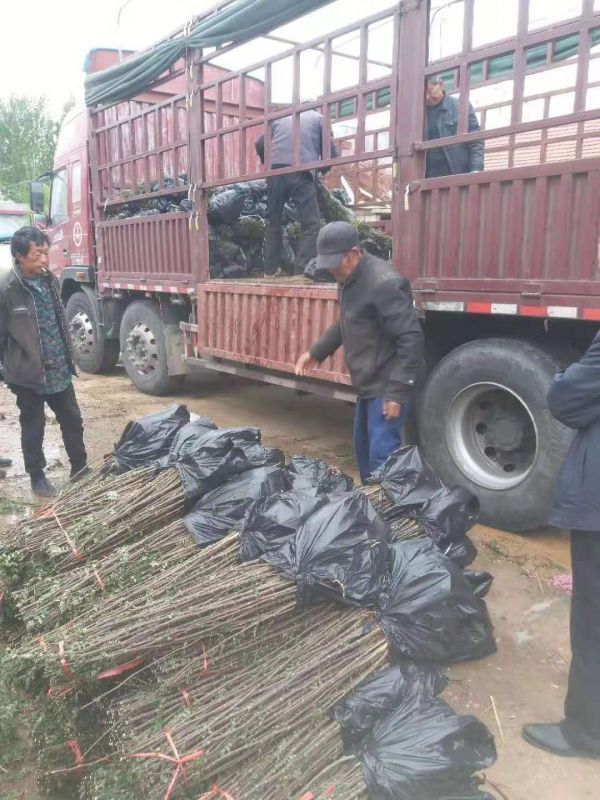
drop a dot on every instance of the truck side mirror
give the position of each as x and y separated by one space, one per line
36 197
40 221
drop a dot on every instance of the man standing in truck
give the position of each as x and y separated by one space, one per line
298 187
382 339
35 351
442 121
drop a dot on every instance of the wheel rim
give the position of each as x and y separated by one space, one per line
141 348
81 329
492 436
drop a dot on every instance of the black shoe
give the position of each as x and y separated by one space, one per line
41 486
79 472
552 739
5 462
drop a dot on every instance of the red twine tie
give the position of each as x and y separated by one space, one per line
74 747
176 759
50 513
99 579
216 791
114 673
63 662
311 796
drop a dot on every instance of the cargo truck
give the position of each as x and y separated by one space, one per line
503 262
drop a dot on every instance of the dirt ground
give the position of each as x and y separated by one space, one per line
524 682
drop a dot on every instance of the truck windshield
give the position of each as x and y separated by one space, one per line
9 223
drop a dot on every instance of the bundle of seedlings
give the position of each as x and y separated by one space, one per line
306 472
198 461
45 603
86 500
64 736
113 511
402 742
408 493
41 545
335 553
402 484
255 706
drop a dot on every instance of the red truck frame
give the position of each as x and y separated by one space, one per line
503 262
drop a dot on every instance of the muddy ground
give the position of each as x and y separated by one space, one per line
524 682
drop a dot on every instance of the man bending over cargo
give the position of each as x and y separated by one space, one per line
35 351
382 339
299 187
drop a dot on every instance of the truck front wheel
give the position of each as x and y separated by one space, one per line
144 350
93 353
484 424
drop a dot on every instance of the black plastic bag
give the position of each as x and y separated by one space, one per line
225 207
306 472
148 439
339 552
428 610
231 271
446 517
272 521
423 750
219 511
341 195
313 273
481 582
374 698
290 213
408 480
207 461
185 438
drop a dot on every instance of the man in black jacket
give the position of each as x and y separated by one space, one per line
382 339
299 187
574 400
36 355
442 121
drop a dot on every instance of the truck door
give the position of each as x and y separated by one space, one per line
59 227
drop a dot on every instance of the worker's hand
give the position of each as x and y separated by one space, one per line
304 363
391 410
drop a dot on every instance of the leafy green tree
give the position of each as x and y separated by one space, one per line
28 136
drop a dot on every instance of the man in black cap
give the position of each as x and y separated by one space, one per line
382 339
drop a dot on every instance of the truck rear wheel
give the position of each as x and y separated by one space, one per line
93 353
484 424
144 350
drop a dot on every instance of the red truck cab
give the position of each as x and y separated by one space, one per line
69 218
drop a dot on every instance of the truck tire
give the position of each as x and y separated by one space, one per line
93 353
484 424
144 351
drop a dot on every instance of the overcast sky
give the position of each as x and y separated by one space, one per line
43 43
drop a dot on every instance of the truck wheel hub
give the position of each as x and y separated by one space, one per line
142 351
82 333
492 436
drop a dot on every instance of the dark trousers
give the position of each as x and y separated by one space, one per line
582 706
33 422
299 187
375 437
